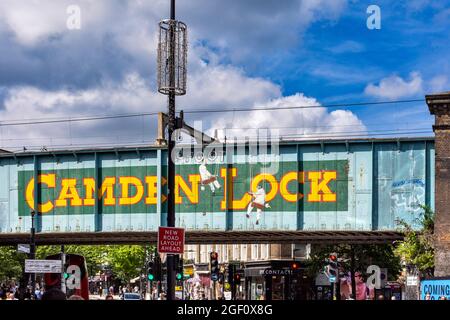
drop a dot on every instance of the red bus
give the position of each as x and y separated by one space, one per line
74 263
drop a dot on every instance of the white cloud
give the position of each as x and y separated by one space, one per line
109 66
211 88
224 88
294 123
394 87
439 83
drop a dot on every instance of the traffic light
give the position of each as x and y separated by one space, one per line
295 266
237 278
332 267
179 267
151 271
214 265
221 278
157 268
231 273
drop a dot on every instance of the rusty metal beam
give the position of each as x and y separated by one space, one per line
206 237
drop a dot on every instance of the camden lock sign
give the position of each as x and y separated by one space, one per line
307 186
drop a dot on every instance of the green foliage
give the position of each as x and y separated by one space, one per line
125 260
11 263
381 255
94 255
417 247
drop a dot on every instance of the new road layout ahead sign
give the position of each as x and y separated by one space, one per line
43 266
171 240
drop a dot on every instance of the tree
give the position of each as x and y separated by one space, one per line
126 261
417 247
365 255
11 263
94 255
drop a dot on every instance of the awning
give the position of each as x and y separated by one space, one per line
134 280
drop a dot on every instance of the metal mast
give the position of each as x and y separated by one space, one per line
172 58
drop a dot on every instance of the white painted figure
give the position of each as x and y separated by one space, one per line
258 202
207 178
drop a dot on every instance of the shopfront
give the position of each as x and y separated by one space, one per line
276 280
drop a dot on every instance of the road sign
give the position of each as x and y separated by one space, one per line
411 281
179 288
24 248
43 266
171 240
214 276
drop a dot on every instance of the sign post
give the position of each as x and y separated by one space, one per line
43 266
23 248
171 240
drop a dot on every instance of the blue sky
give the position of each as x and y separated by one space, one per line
241 54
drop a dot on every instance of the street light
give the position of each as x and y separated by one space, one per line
33 251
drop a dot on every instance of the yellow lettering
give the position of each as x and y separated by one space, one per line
126 182
285 180
152 189
191 193
320 190
235 204
50 181
108 188
271 180
89 199
68 191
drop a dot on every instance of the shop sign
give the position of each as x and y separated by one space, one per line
275 272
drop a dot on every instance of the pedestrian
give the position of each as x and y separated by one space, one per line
37 293
162 296
381 297
442 298
28 295
54 294
75 297
109 297
428 296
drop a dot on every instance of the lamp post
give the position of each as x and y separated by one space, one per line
33 251
172 57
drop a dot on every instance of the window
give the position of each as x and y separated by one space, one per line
244 252
255 251
204 253
265 251
236 252
224 253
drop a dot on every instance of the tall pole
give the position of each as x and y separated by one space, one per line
171 146
32 251
63 264
352 270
